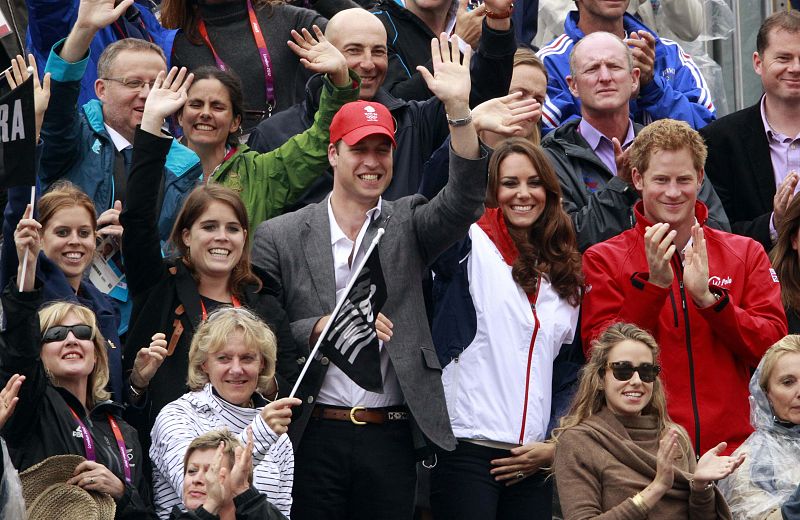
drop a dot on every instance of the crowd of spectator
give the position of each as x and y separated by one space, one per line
568 317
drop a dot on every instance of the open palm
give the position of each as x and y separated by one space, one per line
450 80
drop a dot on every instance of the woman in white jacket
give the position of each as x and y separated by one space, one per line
507 300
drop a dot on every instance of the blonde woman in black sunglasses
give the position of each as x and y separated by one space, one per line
618 453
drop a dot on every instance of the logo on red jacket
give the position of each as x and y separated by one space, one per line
722 283
773 274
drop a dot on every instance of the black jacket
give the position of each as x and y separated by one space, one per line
740 168
250 505
165 298
608 211
421 125
43 425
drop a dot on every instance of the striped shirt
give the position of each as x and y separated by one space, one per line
196 413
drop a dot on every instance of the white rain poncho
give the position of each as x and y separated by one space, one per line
771 471
11 503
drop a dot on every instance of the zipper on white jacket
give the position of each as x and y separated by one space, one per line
530 361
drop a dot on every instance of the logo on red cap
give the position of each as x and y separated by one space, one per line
359 119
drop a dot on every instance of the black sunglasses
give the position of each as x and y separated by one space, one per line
59 332
623 371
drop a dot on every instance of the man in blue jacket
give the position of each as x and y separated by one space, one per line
671 84
91 145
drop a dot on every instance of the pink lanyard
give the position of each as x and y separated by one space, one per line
269 84
88 443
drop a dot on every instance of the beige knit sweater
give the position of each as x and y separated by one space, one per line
601 463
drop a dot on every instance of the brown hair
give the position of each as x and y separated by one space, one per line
590 397
184 15
112 52
549 248
670 135
213 334
64 195
233 86
195 204
55 313
783 20
526 56
210 441
785 259
788 345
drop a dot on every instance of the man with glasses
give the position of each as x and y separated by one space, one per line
91 145
709 297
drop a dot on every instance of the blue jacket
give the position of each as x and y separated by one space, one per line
49 21
678 90
77 147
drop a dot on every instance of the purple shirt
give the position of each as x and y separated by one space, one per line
602 145
784 153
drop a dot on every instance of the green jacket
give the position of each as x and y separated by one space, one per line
268 182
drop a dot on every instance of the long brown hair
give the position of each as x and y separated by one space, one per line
194 206
590 397
785 258
549 248
184 15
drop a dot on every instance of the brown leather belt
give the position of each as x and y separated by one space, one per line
360 415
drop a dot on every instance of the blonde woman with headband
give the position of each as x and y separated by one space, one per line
618 453
231 364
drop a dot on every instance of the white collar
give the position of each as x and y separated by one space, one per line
120 143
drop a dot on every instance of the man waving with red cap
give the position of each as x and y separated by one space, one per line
355 449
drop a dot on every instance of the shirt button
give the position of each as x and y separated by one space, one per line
301 360
324 361
792 146
310 399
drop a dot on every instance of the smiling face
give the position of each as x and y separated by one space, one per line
207 118
233 370
628 397
603 79
669 187
784 388
362 172
606 10
779 67
71 359
215 240
68 240
123 106
520 192
361 38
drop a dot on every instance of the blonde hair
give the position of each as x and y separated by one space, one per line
210 441
788 345
54 314
213 334
526 56
590 397
670 135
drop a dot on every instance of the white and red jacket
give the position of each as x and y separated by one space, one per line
706 353
499 387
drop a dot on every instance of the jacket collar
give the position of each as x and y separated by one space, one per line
700 213
94 114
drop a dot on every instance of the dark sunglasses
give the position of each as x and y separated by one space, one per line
623 371
59 332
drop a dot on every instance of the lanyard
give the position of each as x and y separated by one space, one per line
88 443
234 302
269 84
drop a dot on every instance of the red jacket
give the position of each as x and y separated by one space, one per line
706 353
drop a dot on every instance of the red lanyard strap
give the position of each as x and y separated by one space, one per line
234 302
88 443
261 43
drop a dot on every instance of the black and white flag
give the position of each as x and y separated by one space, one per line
351 342
18 137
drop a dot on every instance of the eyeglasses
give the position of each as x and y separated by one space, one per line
133 84
623 371
59 332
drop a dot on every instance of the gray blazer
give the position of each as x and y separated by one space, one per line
296 250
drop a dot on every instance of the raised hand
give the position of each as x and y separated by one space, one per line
278 414
450 81
469 24
148 360
8 397
26 237
97 14
712 466
168 95
504 115
695 269
643 48
659 249
319 55
524 461
665 470
18 74
217 488
242 467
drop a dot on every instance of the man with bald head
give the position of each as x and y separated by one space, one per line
598 194
421 125
670 84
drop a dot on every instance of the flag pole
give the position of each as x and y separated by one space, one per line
339 304
27 249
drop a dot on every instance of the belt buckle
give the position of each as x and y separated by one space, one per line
353 419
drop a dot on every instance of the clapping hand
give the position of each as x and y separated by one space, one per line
217 487
659 248
695 269
504 115
319 55
242 466
643 49
168 95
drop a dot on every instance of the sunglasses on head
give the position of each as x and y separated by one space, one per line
623 371
59 332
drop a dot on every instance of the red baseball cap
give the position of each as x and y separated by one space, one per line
359 119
